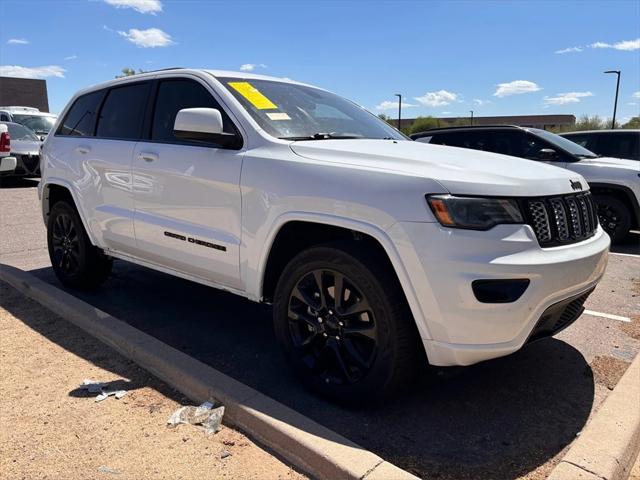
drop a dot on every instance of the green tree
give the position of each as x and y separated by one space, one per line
633 123
421 124
128 71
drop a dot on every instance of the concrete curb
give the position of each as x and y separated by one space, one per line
306 444
609 444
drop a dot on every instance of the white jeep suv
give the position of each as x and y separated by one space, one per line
377 253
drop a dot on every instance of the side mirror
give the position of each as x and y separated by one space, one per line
201 124
547 154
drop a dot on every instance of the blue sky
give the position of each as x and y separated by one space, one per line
446 58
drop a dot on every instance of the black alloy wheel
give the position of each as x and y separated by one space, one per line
76 262
343 322
614 217
66 245
332 326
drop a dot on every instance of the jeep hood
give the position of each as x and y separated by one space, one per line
460 171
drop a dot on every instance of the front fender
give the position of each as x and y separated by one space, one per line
255 267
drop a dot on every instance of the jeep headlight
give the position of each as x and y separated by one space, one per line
473 212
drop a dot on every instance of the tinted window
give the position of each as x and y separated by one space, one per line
18 132
620 145
475 140
586 141
562 143
174 95
122 114
81 118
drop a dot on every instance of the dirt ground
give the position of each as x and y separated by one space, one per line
50 429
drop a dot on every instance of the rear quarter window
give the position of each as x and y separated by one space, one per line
81 118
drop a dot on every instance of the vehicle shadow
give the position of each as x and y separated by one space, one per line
631 245
18 182
500 419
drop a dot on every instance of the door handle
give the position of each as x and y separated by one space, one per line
148 156
83 149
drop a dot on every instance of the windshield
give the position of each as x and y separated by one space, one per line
297 112
39 123
564 143
18 132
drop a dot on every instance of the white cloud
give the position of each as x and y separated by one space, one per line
445 113
516 87
250 67
569 50
71 57
636 94
32 72
481 102
627 45
142 6
149 38
437 99
564 98
18 41
391 105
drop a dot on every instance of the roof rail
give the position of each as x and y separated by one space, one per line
425 133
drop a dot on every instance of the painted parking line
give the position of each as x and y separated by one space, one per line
607 315
635 255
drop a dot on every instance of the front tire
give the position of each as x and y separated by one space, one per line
344 324
75 261
614 216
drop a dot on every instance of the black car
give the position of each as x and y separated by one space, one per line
614 182
619 143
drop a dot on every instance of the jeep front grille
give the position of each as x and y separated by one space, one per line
561 220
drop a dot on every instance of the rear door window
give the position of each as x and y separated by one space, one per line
123 111
81 118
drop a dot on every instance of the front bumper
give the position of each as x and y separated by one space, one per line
442 264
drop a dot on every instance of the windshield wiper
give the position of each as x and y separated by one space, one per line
323 136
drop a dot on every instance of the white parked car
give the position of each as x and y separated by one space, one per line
25 150
374 250
32 118
614 182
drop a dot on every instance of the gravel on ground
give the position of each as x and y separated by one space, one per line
50 428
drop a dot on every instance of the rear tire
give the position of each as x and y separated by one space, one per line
614 217
345 356
75 261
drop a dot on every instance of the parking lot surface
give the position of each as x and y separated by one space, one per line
507 418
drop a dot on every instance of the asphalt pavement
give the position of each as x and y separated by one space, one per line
505 418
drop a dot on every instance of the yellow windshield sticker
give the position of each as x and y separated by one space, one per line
278 116
253 95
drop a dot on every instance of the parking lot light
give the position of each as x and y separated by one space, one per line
615 102
399 109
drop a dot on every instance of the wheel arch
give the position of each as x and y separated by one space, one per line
272 262
623 193
56 189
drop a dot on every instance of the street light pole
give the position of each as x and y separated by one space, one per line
399 109
471 117
615 102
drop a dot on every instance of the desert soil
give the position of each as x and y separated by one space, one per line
50 429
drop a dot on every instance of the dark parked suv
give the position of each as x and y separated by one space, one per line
614 182
609 143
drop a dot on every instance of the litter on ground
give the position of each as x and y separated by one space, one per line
94 386
206 415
